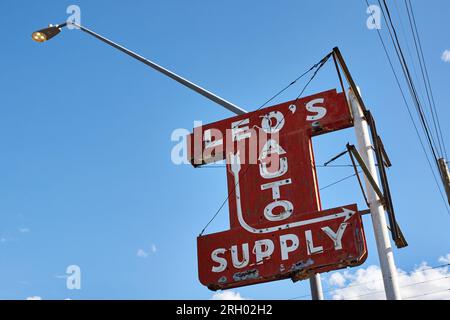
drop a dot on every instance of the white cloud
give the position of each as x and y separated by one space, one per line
446 56
34 298
227 295
444 259
423 283
24 230
337 279
142 254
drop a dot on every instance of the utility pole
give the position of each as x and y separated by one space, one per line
385 254
445 175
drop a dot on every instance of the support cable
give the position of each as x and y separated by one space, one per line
317 66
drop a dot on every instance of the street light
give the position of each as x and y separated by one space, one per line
47 33
51 31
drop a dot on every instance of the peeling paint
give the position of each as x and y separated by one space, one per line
222 280
246 275
302 265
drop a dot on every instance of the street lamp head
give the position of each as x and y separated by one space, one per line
47 33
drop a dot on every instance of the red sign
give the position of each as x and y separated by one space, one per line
272 186
318 242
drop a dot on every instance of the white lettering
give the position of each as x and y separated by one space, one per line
282 168
267 124
240 133
271 147
245 256
287 206
260 253
321 111
220 260
310 244
336 236
275 186
285 249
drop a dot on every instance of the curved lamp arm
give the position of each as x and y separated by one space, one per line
51 31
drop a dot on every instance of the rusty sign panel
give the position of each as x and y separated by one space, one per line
318 242
271 175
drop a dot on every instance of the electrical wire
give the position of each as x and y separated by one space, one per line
418 44
427 294
407 74
408 109
339 181
317 65
381 279
406 286
408 48
287 87
425 76
317 166
413 92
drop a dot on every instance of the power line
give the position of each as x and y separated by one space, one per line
410 273
432 104
413 91
406 286
407 74
427 294
380 279
424 71
382 291
332 166
408 109
408 48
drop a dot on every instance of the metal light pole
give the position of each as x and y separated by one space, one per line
316 287
51 31
380 228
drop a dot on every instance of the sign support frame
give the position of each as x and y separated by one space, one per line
384 247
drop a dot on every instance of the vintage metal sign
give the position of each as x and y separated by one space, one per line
277 228
318 242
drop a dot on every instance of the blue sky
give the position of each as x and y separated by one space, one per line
86 176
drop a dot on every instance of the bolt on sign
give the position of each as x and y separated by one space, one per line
278 229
